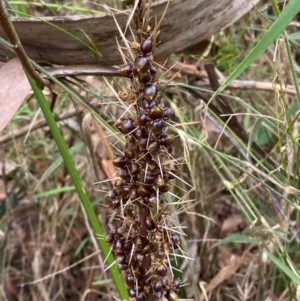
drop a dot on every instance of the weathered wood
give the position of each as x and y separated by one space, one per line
186 23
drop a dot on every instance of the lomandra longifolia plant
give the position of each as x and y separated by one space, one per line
144 237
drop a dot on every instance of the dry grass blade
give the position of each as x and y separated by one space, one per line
132 14
158 25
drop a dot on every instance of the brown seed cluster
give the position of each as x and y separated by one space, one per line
143 237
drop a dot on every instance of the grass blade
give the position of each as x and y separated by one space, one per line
288 14
80 189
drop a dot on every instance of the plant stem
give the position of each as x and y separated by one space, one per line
17 46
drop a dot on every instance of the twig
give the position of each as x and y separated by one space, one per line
86 133
192 70
83 70
17 46
40 123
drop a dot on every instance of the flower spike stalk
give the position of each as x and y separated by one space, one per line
143 237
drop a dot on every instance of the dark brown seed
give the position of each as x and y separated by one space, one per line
148 179
130 138
155 113
168 113
157 286
158 295
123 190
112 228
127 246
161 271
156 126
146 47
144 191
143 143
166 140
172 295
126 71
150 91
120 231
113 203
153 70
144 77
123 173
122 266
112 193
132 292
152 201
129 153
149 224
139 240
162 184
118 245
119 161
130 280
120 257
129 150
110 238
139 256
148 104
176 283
134 169
142 64
162 104
127 126
139 133
152 166
143 119
164 282
153 148
133 193
176 240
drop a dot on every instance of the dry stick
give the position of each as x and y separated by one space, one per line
86 133
40 124
192 70
83 70
17 46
